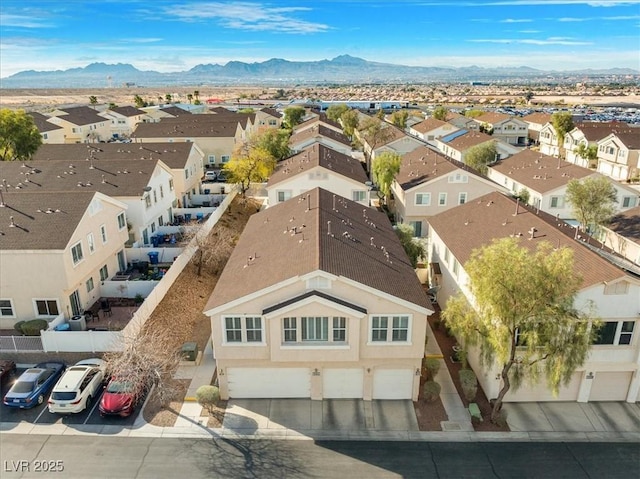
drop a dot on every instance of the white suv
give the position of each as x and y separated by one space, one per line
77 387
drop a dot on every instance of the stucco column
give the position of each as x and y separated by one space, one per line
367 386
222 383
316 384
585 386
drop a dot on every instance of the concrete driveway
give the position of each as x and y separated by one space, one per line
331 415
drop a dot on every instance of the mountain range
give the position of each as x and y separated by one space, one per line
341 69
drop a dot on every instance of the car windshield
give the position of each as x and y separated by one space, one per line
22 387
63 396
119 387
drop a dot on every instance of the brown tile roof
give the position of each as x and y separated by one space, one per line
174 155
492 117
271 111
421 165
596 131
81 115
469 139
537 117
175 111
630 138
50 228
318 155
122 178
540 172
127 111
428 125
316 120
352 250
191 126
42 122
477 223
392 134
451 115
627 224
319 130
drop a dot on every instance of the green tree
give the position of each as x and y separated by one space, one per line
375 132
350 120
93 100
249 165
190 98
246 111
592 200
19 136
588 152
168 97
384 169
562 122
524 321
414 248
528 96
293 116
399 118
274 141
196 95
473 113
139 101
479 156
440 113
335 112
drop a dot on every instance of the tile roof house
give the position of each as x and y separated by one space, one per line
319 133
456 144
81 124
622 234
50 132
428 183
430 129
549 141
55 248
320 119
318 166
396 141
535 121
318 300
546 179
619 155
588 134
610 372
123 120
461 121
507 128
268 117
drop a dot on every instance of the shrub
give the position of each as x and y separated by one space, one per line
432 366
33 327
208 397
18 326
469 384
431 391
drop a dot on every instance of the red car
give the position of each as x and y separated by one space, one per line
120 397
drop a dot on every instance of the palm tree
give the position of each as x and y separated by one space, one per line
168 97
189 97
93 100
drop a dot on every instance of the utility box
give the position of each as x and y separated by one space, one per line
189 351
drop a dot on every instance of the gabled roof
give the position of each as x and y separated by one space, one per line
393 134
466 140
42 122
477 223
540 172
322 156
318 231
81 115
175 111
492 117
43 221
596 131
127 111
316 120
271 111
114 178
191 126
537 117
629 138
421 166
627 224
317 130
174 155
428 125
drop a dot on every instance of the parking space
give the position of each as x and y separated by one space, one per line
40 414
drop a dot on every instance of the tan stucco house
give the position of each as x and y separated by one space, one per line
318 300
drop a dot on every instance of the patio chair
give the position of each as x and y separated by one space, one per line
200 217
105 307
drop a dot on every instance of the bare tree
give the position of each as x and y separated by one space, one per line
211 249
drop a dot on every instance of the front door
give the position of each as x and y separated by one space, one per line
74 299
122 264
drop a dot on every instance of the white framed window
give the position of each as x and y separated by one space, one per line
90 285
243 329
147 200
76 253
103 234
212 159
628 201
379 328
254 329
171 184
400 328
359 195
423 199
458 177
557 202
122 221
186 173
616 333
456 267
283 195
160 221
46 307
339 329
225 158
442 199
233 329
153 227
447 255
289 330
417 228
315 328
104 273
155 197
91 243
6 308
390 328
161 191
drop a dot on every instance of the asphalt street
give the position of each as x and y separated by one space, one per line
25 456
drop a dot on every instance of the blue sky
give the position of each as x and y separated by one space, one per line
176 35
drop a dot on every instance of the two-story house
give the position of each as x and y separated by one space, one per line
318 132
457 144
319 166
81 124
588 134
462 122
619 155
318 300
549 141
546 178
124 120
428 184
622 234
430 129
50 132
507 128
55 249
535 121
612 369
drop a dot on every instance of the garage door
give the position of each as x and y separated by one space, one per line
342 383
269 382
612 386
393 384
541 392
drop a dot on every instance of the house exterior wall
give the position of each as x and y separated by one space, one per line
323 140
621 245
188 179
319 177
53 137
401 146
602 359
511 131
27 275
212 148
83 133
356 352
616 160
549 143
122 126
431 135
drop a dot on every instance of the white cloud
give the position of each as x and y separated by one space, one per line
140 40
477 3
531 41
516 20
247 16
22 21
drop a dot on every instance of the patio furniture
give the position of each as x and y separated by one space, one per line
105 307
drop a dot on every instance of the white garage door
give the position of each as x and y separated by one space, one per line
610 386
393 384
342 383
541 392
269 382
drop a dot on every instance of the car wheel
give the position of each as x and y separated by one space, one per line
88 401
40 399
